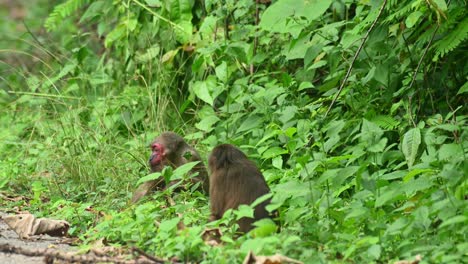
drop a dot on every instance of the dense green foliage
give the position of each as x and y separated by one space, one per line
379 174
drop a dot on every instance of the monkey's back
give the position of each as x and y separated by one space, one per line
236 182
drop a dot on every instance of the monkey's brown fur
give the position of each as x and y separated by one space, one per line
235 180
170 149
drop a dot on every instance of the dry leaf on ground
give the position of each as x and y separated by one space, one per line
26 225
416 260
275 259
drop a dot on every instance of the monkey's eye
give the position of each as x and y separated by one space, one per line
187 155
156 148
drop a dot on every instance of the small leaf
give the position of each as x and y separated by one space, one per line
273 152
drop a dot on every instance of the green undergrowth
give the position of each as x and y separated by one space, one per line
356 118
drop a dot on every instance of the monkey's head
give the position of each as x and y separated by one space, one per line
225 155
163 149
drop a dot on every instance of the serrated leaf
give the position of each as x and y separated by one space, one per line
410 145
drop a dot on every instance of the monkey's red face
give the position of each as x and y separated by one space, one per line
157 154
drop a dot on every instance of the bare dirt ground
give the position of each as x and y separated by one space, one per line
7 236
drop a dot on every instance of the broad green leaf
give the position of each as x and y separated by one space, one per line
222 72
277 162
273 152
441 5
261 199
117 33
207 28
344 173
413 18
463 89
379 146
253 121
282 15
184 31
94 10
153 3
264 227
169 56
244 211
100 78
206 90
368 76
305 85
206 124
455 220
149 177
388 194
375 251
288 113
410 175
131 24
357 212
297 48
453 152
393 175
410 145
168 225
397 226
181 171
420 184
331 143
150 54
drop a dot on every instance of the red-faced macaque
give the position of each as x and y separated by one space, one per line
235 180
170 149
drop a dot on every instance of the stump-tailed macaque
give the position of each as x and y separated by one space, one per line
235 180
170 149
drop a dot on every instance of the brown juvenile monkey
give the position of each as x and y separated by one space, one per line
170 149
235 180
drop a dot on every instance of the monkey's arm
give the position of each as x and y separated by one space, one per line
144 189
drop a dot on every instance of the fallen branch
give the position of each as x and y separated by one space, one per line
51 254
